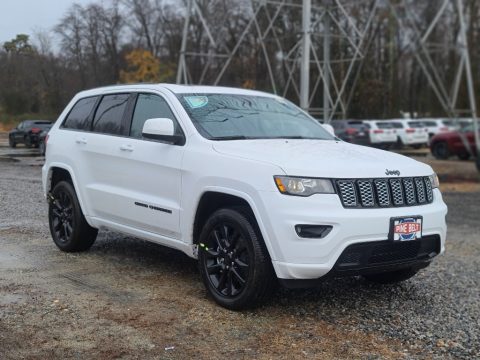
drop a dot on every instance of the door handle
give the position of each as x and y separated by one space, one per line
81 141
128 148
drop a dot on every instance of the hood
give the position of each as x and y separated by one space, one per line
324 158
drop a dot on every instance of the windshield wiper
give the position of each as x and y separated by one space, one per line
232 137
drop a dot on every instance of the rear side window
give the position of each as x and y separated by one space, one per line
384 125
109 114
415 124
78 118
430 123
397 125
150 106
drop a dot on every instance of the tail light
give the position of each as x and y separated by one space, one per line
443 129
410 131
378 131
35 130
46 139
351 131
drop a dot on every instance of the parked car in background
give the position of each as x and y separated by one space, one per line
27 132
437 126
410 133
450 143
382 134
352 131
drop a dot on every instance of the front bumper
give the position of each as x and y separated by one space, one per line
294 257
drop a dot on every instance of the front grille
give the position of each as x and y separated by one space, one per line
377 253
368 193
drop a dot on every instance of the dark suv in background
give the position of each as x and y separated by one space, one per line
28 133
352 131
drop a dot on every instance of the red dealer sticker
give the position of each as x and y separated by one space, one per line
407 228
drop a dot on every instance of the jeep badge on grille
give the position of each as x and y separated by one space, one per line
392 172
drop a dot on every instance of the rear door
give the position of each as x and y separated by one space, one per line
144 175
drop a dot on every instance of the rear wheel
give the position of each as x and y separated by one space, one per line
42 148
392 277
233 260
11 142
70 231
440 150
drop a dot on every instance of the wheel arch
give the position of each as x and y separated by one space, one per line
213 199
62 172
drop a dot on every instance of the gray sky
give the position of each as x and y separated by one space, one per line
25 16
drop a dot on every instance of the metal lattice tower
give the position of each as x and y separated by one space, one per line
305 68
427 51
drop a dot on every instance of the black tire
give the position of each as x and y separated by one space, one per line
42 148
233 260
440 150
28 141
392 277
70 231
417 146
477 162
11 142
464 156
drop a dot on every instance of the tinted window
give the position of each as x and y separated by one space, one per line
109 114
150 107
397 125
430 123
78 116
383 125
415 124
447 122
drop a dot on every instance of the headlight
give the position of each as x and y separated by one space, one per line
303 186
434 180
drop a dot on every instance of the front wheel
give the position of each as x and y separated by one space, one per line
233 260
11 142
70 231
392 277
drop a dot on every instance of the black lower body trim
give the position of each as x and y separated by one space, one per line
376 257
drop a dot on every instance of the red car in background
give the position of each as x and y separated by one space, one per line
450 143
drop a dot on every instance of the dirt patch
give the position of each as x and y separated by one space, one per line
466 187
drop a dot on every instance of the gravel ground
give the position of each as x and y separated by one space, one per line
126 298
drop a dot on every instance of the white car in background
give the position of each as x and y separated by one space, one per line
381 133
410 132
437 126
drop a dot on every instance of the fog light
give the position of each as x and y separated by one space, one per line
313 231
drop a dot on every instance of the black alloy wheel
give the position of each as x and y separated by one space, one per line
227 260
61 216
233 260
68 227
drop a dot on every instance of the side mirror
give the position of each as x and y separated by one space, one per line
162 129
329 128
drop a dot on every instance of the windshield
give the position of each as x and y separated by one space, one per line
233 117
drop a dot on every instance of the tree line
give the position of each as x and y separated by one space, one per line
124 41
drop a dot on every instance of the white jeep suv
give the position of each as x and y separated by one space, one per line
245 181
